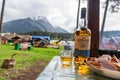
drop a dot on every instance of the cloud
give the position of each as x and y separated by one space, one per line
61 13
112 20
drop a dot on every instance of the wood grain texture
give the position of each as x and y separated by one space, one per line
93 25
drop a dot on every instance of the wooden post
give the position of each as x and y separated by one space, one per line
1 16
93 25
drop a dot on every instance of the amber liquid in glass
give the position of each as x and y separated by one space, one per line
66 61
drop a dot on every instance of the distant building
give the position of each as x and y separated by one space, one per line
112 43
41 37
116 42
105 43
40 41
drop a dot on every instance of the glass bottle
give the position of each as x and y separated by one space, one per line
82 41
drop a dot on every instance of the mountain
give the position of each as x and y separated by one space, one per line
30 24
109 34
60 29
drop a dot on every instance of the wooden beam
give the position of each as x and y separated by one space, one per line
93 25
2 14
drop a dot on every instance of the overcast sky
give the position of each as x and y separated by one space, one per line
59 12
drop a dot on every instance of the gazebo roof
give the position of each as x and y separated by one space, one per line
17 37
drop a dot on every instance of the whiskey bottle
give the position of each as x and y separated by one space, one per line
82 41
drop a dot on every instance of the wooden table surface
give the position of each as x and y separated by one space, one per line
54 71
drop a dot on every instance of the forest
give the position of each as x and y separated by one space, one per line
68 36
53 35
109 34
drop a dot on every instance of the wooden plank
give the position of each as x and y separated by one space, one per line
93 25
2 14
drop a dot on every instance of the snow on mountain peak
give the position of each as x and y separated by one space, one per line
39 18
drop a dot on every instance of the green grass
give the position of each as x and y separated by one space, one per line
25 58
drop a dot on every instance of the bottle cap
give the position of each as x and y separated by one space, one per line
83 13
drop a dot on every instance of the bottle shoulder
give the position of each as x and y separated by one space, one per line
83 31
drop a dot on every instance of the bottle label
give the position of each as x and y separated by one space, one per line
82 42
83 53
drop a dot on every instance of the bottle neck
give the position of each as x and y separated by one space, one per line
83 23
83 17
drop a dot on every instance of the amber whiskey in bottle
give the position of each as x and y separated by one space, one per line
82 45
82 41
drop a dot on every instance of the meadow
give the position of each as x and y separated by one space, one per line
24 59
